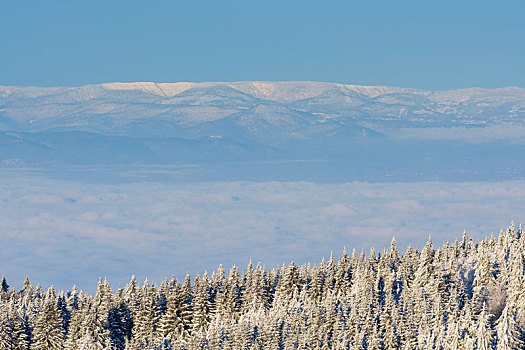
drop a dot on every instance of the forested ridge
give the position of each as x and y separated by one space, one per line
463 295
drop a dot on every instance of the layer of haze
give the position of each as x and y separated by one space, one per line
433 45
63 232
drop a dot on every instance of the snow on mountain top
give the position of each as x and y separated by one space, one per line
463 95
172 89
164 89
374 91
289 91
286 91
140 86
282 91
28 91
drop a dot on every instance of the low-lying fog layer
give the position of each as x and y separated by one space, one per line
62 232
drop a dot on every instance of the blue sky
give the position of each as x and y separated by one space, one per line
422 44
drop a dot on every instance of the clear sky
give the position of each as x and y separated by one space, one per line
423 44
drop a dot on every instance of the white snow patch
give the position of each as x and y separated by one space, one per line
140 86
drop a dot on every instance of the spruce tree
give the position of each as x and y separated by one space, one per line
48 333
508 332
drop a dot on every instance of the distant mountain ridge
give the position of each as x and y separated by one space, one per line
128 108
163 123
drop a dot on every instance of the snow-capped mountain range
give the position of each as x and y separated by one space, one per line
150 109
170 122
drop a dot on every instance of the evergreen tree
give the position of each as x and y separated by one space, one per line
7 336
485 339
117 326
48 333
509 334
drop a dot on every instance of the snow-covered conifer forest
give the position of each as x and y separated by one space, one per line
463 295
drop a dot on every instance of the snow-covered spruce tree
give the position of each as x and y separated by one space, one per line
7 330
509 333
170 325
48 333
484 332
76 329
146 317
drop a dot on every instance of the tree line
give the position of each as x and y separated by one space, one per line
463 295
